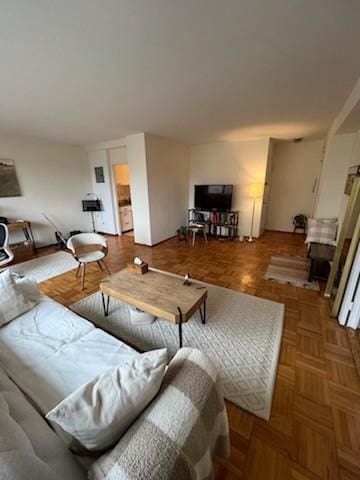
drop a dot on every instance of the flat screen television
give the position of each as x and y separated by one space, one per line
213 197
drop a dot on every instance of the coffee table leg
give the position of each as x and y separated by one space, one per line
105 304
180 328
203 313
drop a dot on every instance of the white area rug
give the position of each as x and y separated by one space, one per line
242 336
46 267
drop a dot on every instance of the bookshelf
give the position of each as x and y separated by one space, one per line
222 225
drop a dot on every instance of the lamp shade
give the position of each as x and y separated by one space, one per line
256 190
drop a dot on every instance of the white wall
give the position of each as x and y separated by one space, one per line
106 219
117 156
54 178
136 155
339 156
121 174
355 156
324 201
236 163
267 187
159 180
354 159
168 182
295 168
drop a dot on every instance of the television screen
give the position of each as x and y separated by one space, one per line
213 197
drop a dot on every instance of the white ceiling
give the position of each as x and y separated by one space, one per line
197 70
352 122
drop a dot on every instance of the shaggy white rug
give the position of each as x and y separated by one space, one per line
242 337
48 266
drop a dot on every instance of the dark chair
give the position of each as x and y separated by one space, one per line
6 254
300 222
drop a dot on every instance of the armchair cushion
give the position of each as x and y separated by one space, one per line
91 257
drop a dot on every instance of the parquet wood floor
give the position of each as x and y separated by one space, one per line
314 429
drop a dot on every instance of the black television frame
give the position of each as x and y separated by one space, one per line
213 208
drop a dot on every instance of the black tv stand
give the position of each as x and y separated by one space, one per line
220 224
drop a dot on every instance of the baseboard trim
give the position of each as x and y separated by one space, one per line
109 234
284 231
50 245
155 244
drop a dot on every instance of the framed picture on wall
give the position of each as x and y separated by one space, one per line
99 175
9 183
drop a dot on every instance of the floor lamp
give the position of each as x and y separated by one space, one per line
255 191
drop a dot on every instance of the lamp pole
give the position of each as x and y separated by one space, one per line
250 239
256 190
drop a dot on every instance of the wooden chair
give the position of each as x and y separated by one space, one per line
6 254
78 244
195 228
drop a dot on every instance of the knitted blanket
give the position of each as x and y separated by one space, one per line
178 434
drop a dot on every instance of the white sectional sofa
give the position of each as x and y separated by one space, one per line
29 448
48 352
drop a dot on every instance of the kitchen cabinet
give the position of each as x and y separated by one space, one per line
126 219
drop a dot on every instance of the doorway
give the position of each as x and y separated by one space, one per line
123 192
295 172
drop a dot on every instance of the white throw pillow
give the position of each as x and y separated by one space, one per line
98 413
321 230
28 287
12 301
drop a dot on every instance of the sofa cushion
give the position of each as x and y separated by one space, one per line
28 446
17 465
17 458
12 436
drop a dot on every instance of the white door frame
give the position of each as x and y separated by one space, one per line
350 307
113 162
115 199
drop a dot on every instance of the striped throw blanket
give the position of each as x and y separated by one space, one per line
178 434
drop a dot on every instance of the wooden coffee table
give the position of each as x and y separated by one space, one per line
162 295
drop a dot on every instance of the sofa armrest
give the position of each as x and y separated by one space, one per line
179 432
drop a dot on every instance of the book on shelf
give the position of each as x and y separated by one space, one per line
218 224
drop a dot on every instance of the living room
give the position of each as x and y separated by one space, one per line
179 203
